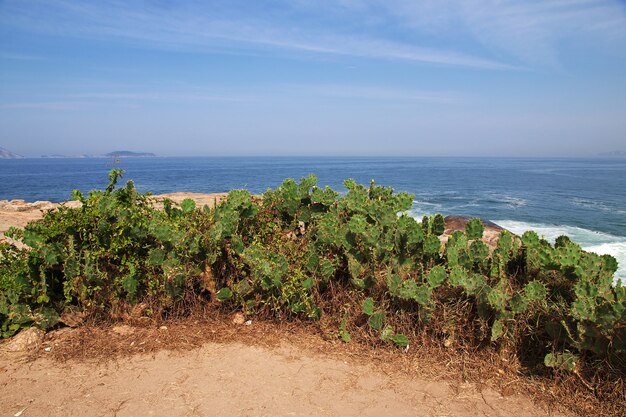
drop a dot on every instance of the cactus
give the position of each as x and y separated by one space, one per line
355 267
458 276
568 254
535 291
224 294
386 333
562 241
474 229
400 340
266 267
436 276
565 361
325 197
498 298
368 306
452 255
426 225
519 303
550 299
497 330
376 320
327 269
357 224
438 225
432 245
505 243
479 251
188 206
530 239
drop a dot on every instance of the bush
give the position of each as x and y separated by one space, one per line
303 252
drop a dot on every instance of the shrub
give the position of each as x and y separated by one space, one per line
301 251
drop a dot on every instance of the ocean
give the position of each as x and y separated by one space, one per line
582 198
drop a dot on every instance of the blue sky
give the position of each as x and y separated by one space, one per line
313 77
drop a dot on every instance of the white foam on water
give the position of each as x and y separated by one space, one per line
507 200
423 208
595 205
589 240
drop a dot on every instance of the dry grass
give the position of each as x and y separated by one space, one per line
98 341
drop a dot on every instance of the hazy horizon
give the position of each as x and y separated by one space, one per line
317 78
622 154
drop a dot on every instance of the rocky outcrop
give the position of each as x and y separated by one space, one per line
7 154
457 223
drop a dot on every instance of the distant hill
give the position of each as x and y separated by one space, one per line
129 154
7 154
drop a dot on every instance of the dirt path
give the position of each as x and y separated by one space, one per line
235 379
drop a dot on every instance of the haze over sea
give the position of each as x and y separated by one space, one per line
582 198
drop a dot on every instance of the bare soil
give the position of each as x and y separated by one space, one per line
226 369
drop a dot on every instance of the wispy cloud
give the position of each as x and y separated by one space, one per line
192 26
19 57
532 31
134 100
485 34
45 105
162 96
268 93
371 93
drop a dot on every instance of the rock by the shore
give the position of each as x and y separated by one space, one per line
457 223
7 154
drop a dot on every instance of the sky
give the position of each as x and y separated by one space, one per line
313 77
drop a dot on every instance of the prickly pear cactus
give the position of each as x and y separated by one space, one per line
474 229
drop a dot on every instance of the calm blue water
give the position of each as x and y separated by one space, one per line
584 198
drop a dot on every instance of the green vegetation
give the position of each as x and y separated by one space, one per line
304 252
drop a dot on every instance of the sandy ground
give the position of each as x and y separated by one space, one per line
234 378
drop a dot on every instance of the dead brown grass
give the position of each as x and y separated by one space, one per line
98 341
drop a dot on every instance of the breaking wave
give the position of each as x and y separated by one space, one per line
590 240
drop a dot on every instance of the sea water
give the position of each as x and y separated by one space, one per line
582 198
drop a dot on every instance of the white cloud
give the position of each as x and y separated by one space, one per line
532 31
193 27
486 34
45 105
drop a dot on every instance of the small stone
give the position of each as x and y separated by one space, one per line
248 323
123 330
25 340
163 328
238 318
47 349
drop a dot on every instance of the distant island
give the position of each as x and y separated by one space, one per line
7 154
129 154
114 154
